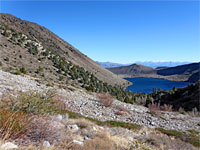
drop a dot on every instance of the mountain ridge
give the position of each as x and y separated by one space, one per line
52 42
153 64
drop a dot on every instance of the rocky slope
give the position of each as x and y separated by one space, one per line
20 39
90 105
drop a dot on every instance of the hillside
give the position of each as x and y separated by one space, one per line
183 70
42 53
194 77
59 118
186 98
133 70
54 97
187 72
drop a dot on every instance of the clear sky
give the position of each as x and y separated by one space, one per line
118 31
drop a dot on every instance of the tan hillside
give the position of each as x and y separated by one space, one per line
133 70
45 40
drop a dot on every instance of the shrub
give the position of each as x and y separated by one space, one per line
154 107
121 108
6 59
17 73
0 63
166 107
36 103
194 112
193 131
23 70
127 100
190 138
181 110
123 125
105 99
6 33
33 50
61 78
99 142
119 113
13 125
40 69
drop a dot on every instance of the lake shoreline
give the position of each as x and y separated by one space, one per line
146 84
178 78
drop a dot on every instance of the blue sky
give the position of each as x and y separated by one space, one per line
118 31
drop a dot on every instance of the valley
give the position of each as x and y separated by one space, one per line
53 97
188 72
146 85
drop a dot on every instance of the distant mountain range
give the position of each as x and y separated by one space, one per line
110 64
152 64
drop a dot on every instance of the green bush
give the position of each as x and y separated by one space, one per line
6 59
33 50
40 69
127 100
36 103
23 70
17 73
5 33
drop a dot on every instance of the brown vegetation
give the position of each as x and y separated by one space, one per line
14 125
105 99
155 107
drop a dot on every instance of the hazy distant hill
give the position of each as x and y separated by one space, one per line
133 70
153 64
110 64
183 70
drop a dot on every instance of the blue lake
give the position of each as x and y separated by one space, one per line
146 85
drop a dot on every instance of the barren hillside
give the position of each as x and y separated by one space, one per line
46 41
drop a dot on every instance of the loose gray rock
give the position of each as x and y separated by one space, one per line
73 127
46 144
8 146
78 142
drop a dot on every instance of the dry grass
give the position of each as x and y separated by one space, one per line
105 99
161 141
166 107
119 113
82 123
121 108
191 138
14 125
99 142
154 108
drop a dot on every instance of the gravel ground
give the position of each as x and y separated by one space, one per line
87 104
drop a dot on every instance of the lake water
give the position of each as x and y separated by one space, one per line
146 85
